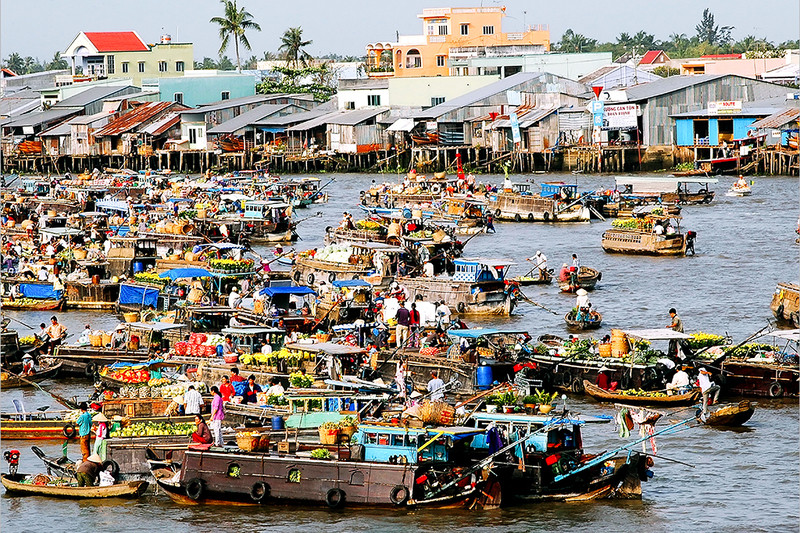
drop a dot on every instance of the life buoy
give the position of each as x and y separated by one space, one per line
114 467
70 431
546 216
775 390
461 307
195 488
90 370
517 218
332 277
708 198
577 385
334 498
497 213
259 492
328 229
310 279
399 495
297 276
355 276
530 217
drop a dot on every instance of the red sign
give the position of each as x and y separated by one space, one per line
597 90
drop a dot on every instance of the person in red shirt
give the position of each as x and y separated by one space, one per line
226 390
603 379
235 375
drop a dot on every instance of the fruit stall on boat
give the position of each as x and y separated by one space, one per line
557 202
26 484
346 302
352 261
770 370
636 235
33 296
478 286
785 305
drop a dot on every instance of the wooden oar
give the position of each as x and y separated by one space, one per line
536 304
60 399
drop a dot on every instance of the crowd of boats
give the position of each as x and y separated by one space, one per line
366 383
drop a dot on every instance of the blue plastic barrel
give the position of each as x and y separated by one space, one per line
138 266
219 350
485 377
277 423
407 213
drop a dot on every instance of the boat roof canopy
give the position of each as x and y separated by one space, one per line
786 334
155 326
326 347
658 334
249 330
483 332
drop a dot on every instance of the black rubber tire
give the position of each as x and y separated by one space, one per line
356 276
332 277
114 467
399 495
297 276
310 279
70 431
461 307
530 217
546 216
90 370
497 213
328 229
334 498
195 488
625 381
577 385
517 218
775 390
259 492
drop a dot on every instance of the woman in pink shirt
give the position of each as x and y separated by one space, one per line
217 415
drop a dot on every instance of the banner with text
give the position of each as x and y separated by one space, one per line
620 117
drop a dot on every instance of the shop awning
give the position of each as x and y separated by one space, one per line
402 124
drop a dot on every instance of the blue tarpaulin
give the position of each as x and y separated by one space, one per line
39 291
351 283
272 291
136 294
178 273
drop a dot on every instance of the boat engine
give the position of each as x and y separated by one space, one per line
12 458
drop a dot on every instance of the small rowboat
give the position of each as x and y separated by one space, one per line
587 279
9 381
739 190
593 321
543 278
732 414
132 489
608 396
26 304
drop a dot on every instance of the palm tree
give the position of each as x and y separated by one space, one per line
292 45
235 22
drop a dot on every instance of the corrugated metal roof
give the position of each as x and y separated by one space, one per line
668 85
345 118
602 71
131 120
163 124
59 131
231 102
11 107
41 117
91 95
778 119
88 119
527 120
248 118
745 112
478 94
293 118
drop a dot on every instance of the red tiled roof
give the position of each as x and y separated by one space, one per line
650 56
133 119
722 56
8 72
116 41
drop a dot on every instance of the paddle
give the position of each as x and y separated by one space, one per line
534 303
60 399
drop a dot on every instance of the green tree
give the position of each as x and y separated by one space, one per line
251 63
317 80
710 32
643 41
15 63
575 42
665 71
292 46
234 25
206 64
269 56
225 63
57 63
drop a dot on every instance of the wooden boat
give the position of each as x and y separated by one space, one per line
427 138
733 414
131 489
12 381
30 304
587 279
785 305
594 321
556 203
543 279
739 190
39 427
231 144
608 396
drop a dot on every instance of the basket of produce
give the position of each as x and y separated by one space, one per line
130 317
231 358
328 433
436 413
249 441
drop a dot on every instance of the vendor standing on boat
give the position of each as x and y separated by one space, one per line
56 333
675 325
709 389
84 422
540 262
436 388
582 305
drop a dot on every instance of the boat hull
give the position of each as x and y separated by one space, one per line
606 396
761 379
132 489
639 243
731 415
785 305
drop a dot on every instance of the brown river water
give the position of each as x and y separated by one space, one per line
747 479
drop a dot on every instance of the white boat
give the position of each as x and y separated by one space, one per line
738 189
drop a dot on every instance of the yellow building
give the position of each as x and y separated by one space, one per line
453 33
123 54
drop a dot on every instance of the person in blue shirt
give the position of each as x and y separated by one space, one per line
84 430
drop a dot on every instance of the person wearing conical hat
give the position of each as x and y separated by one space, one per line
582 304
100 434
88 471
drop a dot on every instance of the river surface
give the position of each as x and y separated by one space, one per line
743 480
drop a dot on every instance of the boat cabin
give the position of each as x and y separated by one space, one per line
659 187
399 444
477 270
250 339
547 434
559 190
264 210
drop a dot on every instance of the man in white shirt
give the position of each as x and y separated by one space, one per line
443 314
43 274
658 229
708 389
234 299
539 261
436 388
276 389
194 401
679 381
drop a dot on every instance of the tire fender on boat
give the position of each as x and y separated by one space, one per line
334 498
530 217
195 488
70 431
577 385
497 213
259 491
90 370
297 276
114 467
546 216
332 277
461 307
775 390
310 278
517 218
399 495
